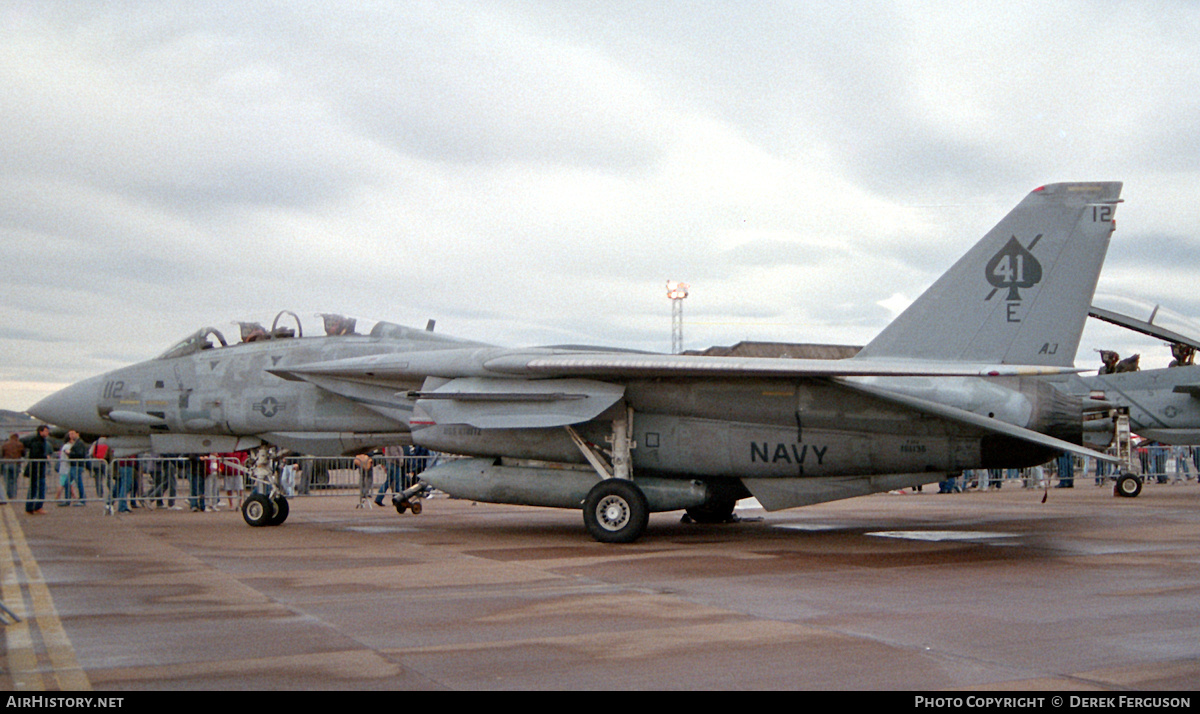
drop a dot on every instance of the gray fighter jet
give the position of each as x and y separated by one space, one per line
205 395
1164 404
951 384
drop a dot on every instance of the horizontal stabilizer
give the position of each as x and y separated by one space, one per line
972 419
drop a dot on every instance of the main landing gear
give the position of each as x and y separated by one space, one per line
615 511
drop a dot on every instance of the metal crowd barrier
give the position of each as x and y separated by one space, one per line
1155 464
201 483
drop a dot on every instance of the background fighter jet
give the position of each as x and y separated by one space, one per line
1164 404
947 386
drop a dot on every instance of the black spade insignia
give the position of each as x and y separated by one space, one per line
1013 267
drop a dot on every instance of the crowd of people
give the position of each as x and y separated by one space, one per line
211 482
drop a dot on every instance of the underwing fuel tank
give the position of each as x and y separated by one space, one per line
485 480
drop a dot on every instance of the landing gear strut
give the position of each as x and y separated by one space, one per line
1128 485
615 510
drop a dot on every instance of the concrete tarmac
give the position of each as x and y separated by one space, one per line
914 591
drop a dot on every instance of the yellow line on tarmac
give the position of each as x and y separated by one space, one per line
65 673
18 641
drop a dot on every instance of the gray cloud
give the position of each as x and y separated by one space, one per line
535 172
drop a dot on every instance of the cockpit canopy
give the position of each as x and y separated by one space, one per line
1149 313
195 342
207 338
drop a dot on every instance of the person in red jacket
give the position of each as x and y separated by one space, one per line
101 456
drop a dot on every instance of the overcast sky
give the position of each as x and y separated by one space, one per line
534 172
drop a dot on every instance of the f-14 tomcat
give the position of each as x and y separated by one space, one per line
953 383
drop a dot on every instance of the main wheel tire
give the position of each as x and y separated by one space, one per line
257 510
1128 486
280 510
616 511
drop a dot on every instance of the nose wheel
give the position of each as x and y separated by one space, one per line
1128 485
258 510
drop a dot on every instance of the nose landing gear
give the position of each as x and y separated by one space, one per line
259 509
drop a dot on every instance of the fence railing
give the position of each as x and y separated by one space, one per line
1155 464
201 481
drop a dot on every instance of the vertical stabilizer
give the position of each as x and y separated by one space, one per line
1021 295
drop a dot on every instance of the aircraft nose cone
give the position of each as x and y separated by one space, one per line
73 407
